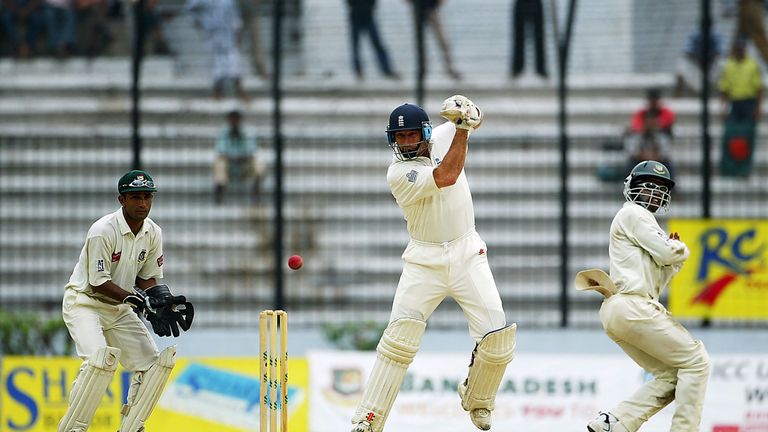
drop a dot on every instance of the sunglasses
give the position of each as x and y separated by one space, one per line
140 183
653 186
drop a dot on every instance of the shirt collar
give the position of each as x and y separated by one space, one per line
123 224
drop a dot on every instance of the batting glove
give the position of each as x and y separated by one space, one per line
462 112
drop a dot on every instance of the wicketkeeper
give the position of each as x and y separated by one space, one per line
444 258
643 261
113 283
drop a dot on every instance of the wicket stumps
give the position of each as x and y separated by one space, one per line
274 356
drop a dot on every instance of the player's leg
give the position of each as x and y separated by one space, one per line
486 369
646 401
395 352
419 292
150 368
90 385
671 352
145 391
83 321
474 289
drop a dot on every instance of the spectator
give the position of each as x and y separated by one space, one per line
741 89
236 157
22 16
60 26
94 35
153 27
249 10
688 70
431 16
220 22
665 117
361 20
750 25
530 12
650 144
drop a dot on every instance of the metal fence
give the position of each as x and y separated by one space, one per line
64 142
339 215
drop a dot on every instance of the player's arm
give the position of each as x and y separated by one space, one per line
143 284
450 168
664 249
466 116
99 249
111 290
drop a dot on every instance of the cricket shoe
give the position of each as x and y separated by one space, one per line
606 422
481 417
363 426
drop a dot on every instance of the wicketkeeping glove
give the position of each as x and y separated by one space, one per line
462 112
165 311
170 318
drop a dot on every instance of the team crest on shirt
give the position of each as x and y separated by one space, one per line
142 255
160 261
116 256
411 176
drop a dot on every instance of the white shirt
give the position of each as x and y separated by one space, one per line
432 214
113 252
643 257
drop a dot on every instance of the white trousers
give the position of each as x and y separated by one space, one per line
94 324
457 269
225 54
646 331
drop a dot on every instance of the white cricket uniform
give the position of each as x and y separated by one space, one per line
445 256
113 252
643 261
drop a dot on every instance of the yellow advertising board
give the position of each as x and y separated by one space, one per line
726 275
202 395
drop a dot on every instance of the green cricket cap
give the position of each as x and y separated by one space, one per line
136 181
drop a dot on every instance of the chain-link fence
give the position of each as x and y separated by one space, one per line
339 215
65 141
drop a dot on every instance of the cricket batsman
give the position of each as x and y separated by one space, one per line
445 257
643 259
113 283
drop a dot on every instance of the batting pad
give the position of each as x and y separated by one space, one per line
89 387
146 389
489 361
396 349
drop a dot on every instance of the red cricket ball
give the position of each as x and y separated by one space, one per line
295 262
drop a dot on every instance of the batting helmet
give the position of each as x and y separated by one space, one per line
649 184
408 117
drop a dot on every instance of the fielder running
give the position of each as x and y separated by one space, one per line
444 257
115 281
643 261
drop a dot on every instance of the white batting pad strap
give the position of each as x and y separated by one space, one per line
490 359
145 391
396 350
89 388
